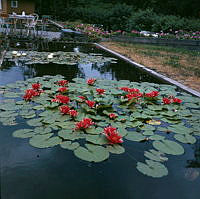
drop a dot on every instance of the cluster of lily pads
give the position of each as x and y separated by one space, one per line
95 118
60 57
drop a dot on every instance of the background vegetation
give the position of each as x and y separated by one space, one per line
126 15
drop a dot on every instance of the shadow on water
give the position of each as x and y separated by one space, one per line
28 172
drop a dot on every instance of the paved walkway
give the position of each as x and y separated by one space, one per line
43 34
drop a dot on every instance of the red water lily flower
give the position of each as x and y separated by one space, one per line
100 91
112 135
171 99
63 89
62 99
84 124
130 96
177 100
91 81
133 90
112 115
152 94
64 109
90 103
36 86
29 93
73 113
166 100
62 82
82 97
126 89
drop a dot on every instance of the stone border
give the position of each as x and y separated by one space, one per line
192 44
162 77
2 56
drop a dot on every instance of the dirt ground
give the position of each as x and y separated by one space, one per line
181 67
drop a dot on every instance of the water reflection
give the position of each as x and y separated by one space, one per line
195 163
28 172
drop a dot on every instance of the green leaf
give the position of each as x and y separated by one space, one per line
155 155
69 135
153 169
44 141
133 136
168 147
187 139
115 148
93 153
23 133
97 139
69 145
156 137
35 122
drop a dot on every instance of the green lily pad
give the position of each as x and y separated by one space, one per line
133 136
168 147
155 155
23 133
45 141
115 148
187 139
93 153
152 168
69 145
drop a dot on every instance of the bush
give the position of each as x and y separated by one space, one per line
117 17
168 23
142 20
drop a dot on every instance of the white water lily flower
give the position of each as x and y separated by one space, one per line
14 52
50 56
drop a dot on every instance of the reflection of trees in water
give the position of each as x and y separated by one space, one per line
6 65
38 70
196 162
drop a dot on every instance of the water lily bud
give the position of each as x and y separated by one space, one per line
50 56
14 52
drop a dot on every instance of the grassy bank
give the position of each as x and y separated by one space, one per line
177 63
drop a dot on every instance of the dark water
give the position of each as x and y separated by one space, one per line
55 173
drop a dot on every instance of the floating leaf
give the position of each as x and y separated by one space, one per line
152 168
187 139
133 136
23 133
93 153
155 155
115 148
70 135
97 139
69 145
168 147
44 141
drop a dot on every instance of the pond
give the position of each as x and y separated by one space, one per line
29 172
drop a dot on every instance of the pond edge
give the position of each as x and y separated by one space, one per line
162 77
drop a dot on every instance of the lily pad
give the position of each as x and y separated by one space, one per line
152 168
168 147
93 153
187 139
115 148
44 141
69 145
23 133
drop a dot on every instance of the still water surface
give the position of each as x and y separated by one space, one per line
55 173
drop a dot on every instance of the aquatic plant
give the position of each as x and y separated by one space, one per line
95 124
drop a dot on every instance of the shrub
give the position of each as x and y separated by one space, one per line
142 20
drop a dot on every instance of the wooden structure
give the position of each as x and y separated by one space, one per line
17 6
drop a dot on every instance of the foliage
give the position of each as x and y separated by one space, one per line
142 20
123 111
